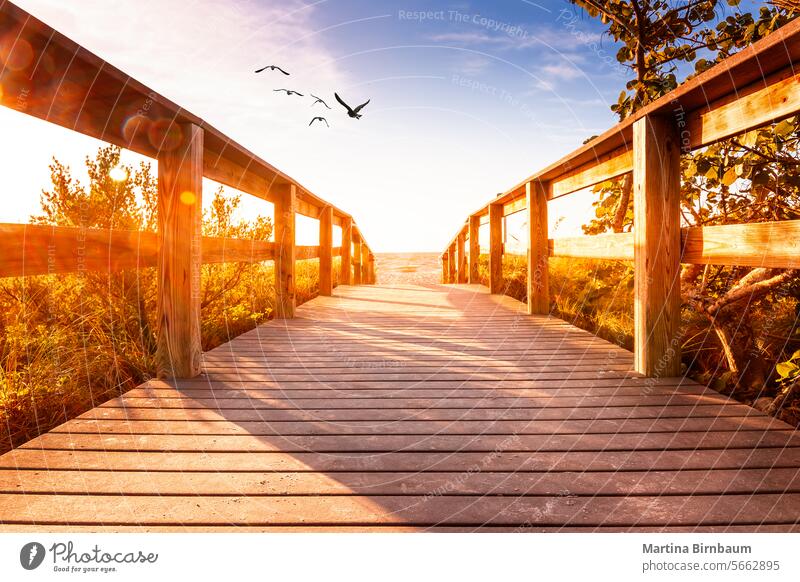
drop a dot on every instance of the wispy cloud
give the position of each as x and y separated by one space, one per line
544 37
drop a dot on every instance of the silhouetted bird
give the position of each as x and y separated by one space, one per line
318 100
272 68
289 92
319 119
354 113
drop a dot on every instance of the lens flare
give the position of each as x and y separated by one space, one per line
188 197
118 174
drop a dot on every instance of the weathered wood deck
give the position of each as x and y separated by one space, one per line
411 407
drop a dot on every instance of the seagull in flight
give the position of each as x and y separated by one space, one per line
319 119
272 68
319 100
354 113
289 92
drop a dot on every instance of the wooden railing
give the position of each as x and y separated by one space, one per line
46 75
757 86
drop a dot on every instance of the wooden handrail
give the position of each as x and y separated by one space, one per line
61 82
751 89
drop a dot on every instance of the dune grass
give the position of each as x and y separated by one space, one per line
71 342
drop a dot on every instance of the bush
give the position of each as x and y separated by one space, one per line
71 342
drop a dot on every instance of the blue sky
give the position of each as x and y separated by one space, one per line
468 98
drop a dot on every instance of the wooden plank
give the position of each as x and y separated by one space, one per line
180 210
415 427
767 244
47 250
326 251
651 414
43 250
346 274
606 167
431 483
461 259
538 249
285 252
516 204
474 248
615 246
496 248
229 250
473 510
768 99
305 253
409 402
377 443
577 461
656 205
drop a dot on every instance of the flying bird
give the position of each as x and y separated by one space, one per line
289 92
272 68
319 119
354 113
319 100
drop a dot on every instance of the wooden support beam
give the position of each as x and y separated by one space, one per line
474 247
365 254
657 246
496 248
538 249
345 276
372 275
451 264
326 251
180 211
285 198
445 268
357 249
461 268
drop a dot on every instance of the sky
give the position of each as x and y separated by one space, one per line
467 99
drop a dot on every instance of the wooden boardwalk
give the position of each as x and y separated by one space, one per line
413 408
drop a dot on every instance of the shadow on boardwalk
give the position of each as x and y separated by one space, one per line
412 407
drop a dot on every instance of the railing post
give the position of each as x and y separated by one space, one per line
326 251
474 247
365 253
285 204
495 248
357 248
451 264
345 277
657 245
372 279
538 250
445 268
180 214
462 259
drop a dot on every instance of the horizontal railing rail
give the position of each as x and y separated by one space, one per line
757 86
46 75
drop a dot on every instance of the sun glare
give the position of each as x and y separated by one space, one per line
118 174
